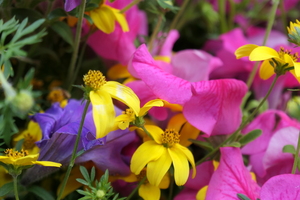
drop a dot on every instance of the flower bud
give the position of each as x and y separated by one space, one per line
22 102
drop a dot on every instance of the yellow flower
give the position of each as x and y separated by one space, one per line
21 158
285 61
128 116
30 136
293 27
104 17
160 153
101 94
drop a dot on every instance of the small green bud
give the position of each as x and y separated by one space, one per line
294 32
22 102
100 194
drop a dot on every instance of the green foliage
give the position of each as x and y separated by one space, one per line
249 137
21 36
40 192
242 197
205 145
167 4
6 188
98 190
289 149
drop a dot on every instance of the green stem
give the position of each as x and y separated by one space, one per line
134 2
296 156
73 157
154 34
136 188
76 45
15 179
268 30
235 134
231 15
222 15
146 131
179 14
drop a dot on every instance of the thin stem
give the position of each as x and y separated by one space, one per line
134 2
296 156
76 44
268 30
179 14
136 188
146 131
222 15
154 34
235 134
15 179
231 15
73 157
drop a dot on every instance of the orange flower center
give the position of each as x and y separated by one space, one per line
170 137
283 51
15 154
94 79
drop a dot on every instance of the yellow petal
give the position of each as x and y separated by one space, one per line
176 122
123 121
187 132
263 53
297 69
121 19
124 94
103 112
147 152
202 193
181 165
149 105
245 50
104 18
27 160
118 71
149 192
166 59
266 70
156 132
47 163
156 170
165 181
293 72
189 156
7 160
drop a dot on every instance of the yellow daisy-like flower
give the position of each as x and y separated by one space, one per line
105 17
294 32
128 116
31 135
160 153
22 158
101 94
286 60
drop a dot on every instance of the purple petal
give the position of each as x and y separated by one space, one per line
215 106
231 178
164 85
71 4
281 187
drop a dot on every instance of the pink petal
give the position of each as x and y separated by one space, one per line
215 106
231 178
188 63
164 85
281 187
276 120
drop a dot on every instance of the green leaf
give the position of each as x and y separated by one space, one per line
204 145
289 149
82 181
165 4
249 137
242 197
40 192
6 188
93 174
85 173
64 31
234 144
57 13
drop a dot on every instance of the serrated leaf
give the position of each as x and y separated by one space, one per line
289 149
83 192
93 174
242 197
249 137
40 192
64 31
204 145
6 188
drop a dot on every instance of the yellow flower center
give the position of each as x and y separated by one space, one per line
29 141
283 51
15 154
94 79
129 112
170 137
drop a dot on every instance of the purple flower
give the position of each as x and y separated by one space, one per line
71 4
60 127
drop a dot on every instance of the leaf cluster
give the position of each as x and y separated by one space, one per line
97 190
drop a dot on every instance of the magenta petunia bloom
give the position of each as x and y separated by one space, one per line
60 127
231 178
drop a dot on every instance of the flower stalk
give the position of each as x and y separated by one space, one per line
296 156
